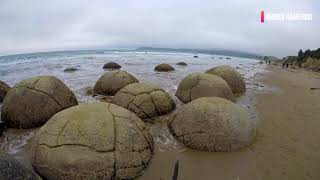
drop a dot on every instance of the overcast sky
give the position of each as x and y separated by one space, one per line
49 25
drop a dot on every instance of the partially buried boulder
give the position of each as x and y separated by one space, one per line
92 141
198 85
11 169
164 67
70 69
231 76
213 124
182 64
4 88
33 101
111 65
111 82
146 100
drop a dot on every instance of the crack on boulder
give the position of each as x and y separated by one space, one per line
42 92
76 144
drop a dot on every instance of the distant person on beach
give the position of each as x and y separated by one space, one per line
287 65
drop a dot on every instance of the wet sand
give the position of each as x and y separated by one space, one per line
288 145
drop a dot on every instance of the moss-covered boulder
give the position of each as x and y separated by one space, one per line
111 65
111 82
146 100
4 88
198 85
164 68
92 141
182 64
11 169
231 76
212 124
33 101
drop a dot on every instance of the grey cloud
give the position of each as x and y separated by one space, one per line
38 25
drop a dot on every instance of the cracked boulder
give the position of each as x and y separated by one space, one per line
212 124
92 141
111 65
11 169
4 88
111 82
197 85
231 76
164 67
33 101
146 100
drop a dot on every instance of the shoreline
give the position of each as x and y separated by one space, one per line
285 110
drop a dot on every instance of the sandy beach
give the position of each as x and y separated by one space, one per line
284 103
287 145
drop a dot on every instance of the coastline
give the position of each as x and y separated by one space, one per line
286 111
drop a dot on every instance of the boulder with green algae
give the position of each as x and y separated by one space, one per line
164 67
33 101
12 169
4 88
92 141
111 82
146 100
198 85
212 124
231 76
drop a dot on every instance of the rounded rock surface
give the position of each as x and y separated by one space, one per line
4 88
33 101
111 65
231 76
212 124
182 64
11 169
197 85
164 68
146 100
111 82
92 141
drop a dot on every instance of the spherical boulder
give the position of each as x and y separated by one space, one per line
182 64
92 141
231 76
11 169
33 101
163 68
4 88
212 124
198 85
111 65
111 82
146 100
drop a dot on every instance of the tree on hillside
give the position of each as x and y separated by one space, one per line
307 53
300 57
